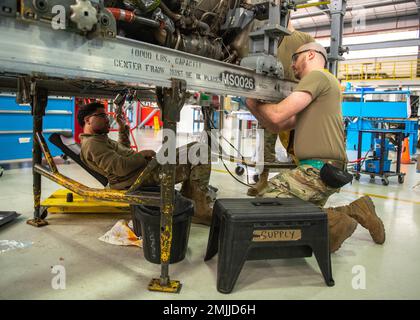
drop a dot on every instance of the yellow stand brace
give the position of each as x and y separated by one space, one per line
57 203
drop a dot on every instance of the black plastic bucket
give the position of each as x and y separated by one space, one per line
146 222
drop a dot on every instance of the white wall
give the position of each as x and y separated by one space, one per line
185 125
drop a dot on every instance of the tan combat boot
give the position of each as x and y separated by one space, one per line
260 185
363 211
340 227
202 202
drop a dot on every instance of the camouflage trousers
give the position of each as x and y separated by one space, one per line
302 182
270 146
198 173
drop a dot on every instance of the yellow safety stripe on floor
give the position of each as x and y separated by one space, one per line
354 192
220 171
380 196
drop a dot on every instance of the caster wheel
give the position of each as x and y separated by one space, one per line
43 213
256 178
372 177
357 176
239 171
400 179
385 181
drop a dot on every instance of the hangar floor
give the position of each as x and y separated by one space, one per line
97 270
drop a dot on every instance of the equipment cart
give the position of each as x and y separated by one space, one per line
379 165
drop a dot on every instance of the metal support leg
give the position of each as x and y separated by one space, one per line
338 10
382 155
171 101
38 105
359 152
400 138
208 118
239 139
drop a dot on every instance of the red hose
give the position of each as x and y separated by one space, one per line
357 160
122 15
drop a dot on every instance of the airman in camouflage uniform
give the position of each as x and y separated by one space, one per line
122 165
314 111
284 54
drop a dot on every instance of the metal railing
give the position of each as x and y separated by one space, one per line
376 69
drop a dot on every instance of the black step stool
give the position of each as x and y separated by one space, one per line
266 228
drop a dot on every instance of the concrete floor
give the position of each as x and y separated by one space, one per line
97 270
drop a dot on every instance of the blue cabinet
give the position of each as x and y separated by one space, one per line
352 137
365 115
16 124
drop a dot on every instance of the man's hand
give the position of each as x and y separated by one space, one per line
148 154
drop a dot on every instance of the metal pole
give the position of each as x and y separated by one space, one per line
418 48
381 160
167 208
359 151
338 10
399 149
38 105
170 100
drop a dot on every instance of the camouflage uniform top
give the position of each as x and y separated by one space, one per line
288 47
114 160
122 165
319 131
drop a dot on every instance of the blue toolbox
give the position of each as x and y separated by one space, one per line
373 165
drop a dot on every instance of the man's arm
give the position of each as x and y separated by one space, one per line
97 153
123 128
280 116
124 135
113 163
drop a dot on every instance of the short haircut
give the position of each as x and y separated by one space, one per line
87 110
317 47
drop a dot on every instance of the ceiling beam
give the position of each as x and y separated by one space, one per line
373 4
372 25
384 44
